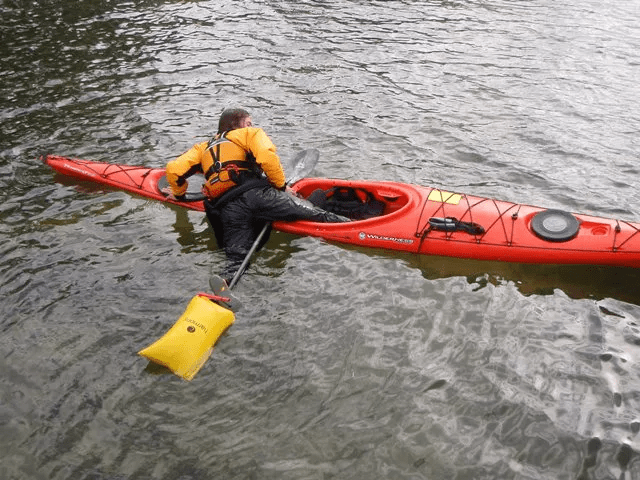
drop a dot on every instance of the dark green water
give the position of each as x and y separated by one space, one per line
345 363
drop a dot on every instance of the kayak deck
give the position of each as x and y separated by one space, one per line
141 180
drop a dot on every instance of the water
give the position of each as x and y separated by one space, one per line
345 363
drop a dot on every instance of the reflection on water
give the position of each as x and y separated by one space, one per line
595 282
576 281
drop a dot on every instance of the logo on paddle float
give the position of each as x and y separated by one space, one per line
191 329
384 238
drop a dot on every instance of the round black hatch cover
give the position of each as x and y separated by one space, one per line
555 225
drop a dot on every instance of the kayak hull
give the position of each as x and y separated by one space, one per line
419 219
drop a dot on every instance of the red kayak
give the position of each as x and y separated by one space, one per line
417 219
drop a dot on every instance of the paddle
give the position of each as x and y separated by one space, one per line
301 166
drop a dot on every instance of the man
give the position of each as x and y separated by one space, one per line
245 185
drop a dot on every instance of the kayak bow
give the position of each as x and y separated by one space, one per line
144 181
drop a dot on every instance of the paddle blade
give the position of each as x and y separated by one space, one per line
221 289
302 165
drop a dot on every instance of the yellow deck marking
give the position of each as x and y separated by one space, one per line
444 197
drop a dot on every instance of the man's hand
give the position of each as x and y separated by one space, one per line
167 191
290 191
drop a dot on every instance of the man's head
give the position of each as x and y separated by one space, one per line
233 118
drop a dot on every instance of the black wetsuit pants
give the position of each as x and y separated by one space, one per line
239 221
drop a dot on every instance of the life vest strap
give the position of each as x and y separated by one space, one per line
234 165
228 165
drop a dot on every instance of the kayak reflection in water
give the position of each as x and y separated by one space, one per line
245 186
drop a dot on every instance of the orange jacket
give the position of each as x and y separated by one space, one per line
236 145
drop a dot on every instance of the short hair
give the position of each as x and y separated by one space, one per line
232 118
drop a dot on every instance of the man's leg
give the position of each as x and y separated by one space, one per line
270 204
239 234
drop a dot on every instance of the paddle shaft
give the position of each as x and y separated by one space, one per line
252 250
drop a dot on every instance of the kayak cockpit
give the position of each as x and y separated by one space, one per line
194 190
355 200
